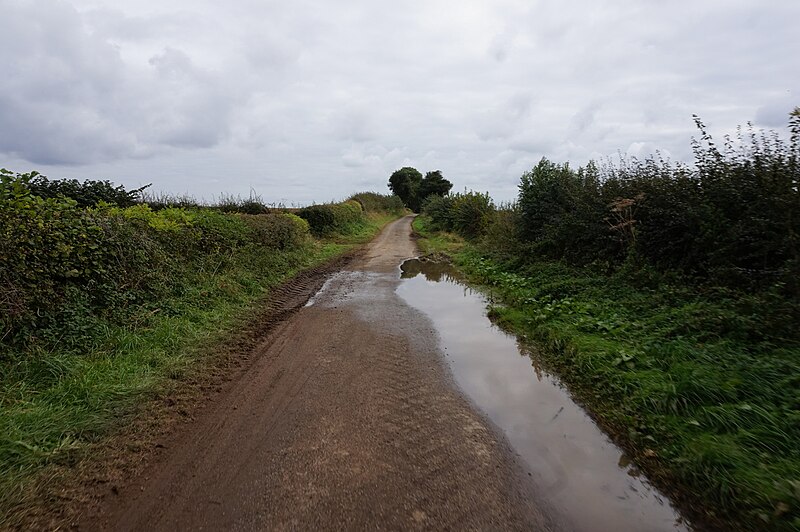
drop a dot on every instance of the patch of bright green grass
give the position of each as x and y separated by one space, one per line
702 387
433 241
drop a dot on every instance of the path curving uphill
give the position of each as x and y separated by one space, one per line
347 419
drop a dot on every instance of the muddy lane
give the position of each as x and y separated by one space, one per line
348 419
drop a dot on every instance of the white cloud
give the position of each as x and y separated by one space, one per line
311 100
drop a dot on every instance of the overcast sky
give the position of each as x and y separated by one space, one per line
310 101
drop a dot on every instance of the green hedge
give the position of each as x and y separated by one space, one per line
730 220
63 267
374 202
279 231
330 218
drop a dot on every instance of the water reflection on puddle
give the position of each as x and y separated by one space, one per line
589 482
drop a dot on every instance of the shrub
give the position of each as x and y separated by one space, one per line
563 212
467 213
730 220
86 194
278 231
162 201
439 208
321 219
374 202
235 204
333 217
500 236
471 213
44 244
59 262
63 267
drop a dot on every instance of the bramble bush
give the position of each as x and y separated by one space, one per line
278 231
467 214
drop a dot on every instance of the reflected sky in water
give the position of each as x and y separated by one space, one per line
588 481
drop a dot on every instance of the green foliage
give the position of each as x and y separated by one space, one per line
253 204
563 214
501 235
413 189
227 203
342 218
404 183
730 220
55 404
45 245
439 209
702 388
64 267
667 297
161 201
86 194
433 240
321 219
101 305
433 184
374 202
471 213
468 214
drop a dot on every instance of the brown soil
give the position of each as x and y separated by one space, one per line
342 415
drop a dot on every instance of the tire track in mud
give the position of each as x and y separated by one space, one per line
72 495
345 417
295 293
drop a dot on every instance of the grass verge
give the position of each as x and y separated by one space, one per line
430 241
55 406
691 382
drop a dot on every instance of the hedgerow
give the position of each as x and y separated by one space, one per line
329 218
86 194
374 202
731 219
64 266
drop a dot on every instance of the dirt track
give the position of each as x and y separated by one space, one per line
346 419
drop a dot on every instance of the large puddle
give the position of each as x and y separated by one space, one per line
588 481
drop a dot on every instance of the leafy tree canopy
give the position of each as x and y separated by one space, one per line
412 188
434 183
404 183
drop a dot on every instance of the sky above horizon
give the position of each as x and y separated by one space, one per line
311 101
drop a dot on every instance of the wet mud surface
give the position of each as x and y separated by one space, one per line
586 480
347 418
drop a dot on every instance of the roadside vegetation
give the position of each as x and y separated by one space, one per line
667 297
104 298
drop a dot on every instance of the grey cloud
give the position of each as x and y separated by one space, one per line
312 98
354 123
113 24
69 97
775 113
584 118
502 121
